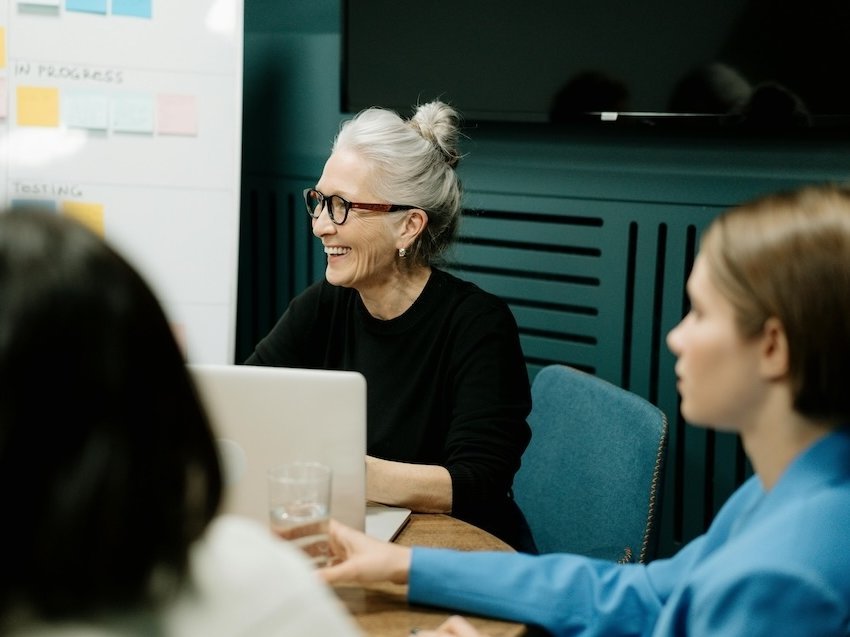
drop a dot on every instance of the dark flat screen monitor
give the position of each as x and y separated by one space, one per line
780 63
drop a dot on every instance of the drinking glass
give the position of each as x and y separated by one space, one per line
299 507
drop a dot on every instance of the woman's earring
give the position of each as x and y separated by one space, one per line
402 252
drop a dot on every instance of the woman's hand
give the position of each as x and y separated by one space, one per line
454 626
362 559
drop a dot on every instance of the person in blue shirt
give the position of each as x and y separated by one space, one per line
764 352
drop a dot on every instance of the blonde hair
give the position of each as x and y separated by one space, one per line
413 164
787 256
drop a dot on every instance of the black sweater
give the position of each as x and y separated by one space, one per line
446 384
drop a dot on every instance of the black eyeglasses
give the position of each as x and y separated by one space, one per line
338 207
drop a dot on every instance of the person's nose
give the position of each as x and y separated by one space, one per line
322 225
674 339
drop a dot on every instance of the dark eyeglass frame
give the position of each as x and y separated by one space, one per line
347 205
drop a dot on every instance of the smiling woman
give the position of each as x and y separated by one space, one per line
448 391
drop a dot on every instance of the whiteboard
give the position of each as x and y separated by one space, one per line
127 115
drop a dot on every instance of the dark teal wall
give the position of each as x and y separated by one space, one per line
291 85
292 94
650 192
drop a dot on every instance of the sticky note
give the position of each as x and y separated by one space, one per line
2 47
85 110
86 6
177 115
38 3
4 98
38 106
134 8
47 205
133 114
90 214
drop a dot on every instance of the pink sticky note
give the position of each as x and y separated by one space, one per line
177 115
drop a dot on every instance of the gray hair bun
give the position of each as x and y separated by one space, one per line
438 123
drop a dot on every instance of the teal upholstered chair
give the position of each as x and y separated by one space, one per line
591 479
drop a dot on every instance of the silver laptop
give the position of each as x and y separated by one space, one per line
264 416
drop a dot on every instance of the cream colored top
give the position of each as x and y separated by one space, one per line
245 582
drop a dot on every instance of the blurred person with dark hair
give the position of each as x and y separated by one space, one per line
109 472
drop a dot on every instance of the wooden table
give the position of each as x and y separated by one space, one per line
382 609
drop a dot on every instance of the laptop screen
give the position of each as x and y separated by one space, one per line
264 416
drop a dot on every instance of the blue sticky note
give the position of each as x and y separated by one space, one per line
32 5
86 6
134 8
38 205
85 109
133 114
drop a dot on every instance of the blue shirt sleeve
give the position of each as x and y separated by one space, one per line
566 594
756 603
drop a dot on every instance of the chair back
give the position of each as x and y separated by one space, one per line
592 476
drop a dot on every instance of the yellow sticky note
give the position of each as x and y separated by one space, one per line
2 47
38 106
90 214
4 94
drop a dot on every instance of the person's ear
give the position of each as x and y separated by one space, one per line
414 224
774 350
